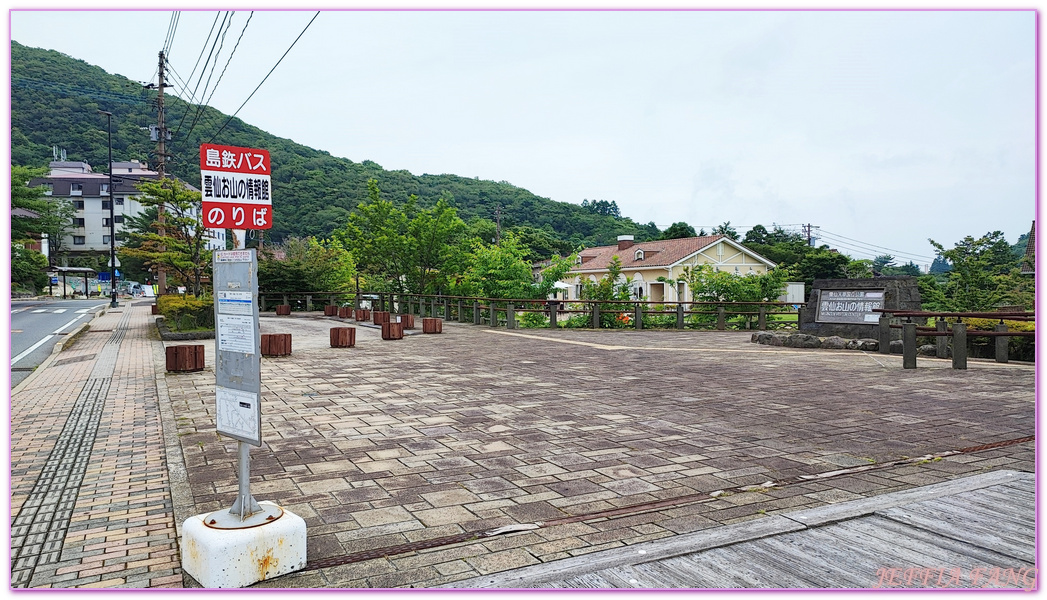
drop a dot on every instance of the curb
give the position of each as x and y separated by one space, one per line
72 335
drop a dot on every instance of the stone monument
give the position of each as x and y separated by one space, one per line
844 307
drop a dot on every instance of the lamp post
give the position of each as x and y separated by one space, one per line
112 216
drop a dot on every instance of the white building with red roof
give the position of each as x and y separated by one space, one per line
645 262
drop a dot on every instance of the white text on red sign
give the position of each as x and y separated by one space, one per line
234 215
220 186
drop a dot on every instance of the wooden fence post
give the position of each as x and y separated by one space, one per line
476 312
638 316
941 343
510 316
761 322
679 315
721 318
596 315
553 306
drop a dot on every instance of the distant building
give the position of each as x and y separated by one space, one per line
90 195
645 262
1029 260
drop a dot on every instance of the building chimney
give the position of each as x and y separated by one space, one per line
624 241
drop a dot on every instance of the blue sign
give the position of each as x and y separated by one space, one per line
54 280
103 276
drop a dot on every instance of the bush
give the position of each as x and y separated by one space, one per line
533 320
1018 348
184 313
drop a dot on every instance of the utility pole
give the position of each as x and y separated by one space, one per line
161 276
807 232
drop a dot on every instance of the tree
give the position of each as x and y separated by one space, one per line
757 235
28 268
309 265
26 198
981 272
182 249
858 269
678 230
882 261
498 271
726 230
435 234
376 235
709 285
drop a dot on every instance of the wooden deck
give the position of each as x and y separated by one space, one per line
974 532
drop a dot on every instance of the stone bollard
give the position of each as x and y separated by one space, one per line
494 316
553 309
461 315
596 315
638 316
1002 342
407 321
283 310
761 321
185 358
885 334
908 345
308 303
447 308
959 345
432 306
941 343
432 325
679 315
476 312
261 303
721 318
343 337
392 331
510 316
276 344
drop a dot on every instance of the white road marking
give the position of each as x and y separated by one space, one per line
59 330
29 350
40 310
59 311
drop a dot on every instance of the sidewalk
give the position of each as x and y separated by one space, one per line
438 459
90 504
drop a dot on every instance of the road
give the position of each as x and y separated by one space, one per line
37 325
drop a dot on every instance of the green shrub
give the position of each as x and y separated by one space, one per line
184 313
533 320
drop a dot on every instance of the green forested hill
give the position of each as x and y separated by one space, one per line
55 99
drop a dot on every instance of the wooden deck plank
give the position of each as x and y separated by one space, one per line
944 523
944 550
817 559
768 566
994 511
977 522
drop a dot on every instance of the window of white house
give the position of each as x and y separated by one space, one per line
78 222
76 189
49 188
119 218
105 189
105 204
79 240
119 201
105 239
78 204
680 290
105 222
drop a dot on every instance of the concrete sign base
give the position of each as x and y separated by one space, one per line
236 558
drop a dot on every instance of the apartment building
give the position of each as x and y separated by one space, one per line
90 195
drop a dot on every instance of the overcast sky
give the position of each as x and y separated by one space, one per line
882 128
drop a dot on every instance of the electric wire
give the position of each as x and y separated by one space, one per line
200 107
843 240
266 77
230 59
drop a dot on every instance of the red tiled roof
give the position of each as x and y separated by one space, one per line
660 253
1029 260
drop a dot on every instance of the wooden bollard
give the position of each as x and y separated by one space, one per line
343 337
432 325
392 331
380 316
362 314
276 344
407 321
283 309
185 358
345 312
155 309
330 311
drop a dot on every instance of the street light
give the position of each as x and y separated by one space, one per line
112 216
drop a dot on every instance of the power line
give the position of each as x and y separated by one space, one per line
874 247
230 59
266 77
200 107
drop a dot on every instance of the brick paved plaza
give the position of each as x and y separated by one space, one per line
590 439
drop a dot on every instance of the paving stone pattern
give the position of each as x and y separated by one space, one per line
394 442
90 499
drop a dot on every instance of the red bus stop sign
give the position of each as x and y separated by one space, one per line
236 187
